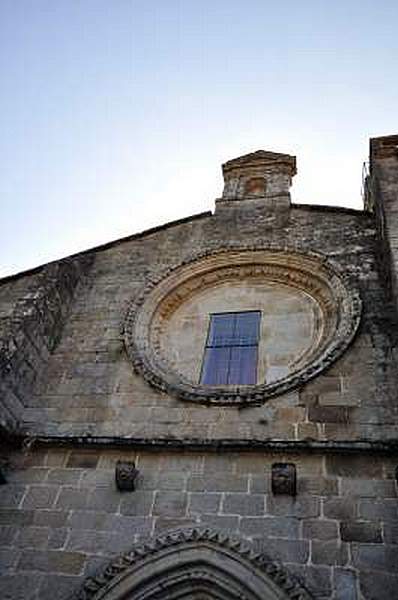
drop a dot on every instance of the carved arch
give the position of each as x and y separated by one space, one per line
147 316
193 564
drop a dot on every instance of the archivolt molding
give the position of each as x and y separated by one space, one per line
189 560
339 303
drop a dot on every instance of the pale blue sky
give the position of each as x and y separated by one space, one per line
116 115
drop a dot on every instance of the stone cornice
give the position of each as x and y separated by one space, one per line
214 445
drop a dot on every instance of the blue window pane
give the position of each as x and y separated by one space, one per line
231 349
216 365
246 328
221 330
243 366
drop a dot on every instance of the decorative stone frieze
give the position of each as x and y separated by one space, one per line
182 563
336 308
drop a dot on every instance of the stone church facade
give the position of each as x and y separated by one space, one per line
208 409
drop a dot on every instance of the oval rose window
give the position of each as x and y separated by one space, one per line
241 326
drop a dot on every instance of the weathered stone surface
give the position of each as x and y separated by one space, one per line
361 531
376 557
170 504
244 504
320 529
329 552
345 584
204 503
19 587
40 496
270 526
52 561
67 380
11 496
137 504
339 508
301 507
378 585
58 587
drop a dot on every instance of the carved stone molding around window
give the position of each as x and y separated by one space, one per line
193 563
310 314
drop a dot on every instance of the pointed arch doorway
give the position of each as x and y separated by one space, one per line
193 564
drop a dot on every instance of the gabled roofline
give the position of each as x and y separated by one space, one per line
108 245
169 224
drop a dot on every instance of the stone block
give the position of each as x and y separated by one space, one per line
328 414
317 579
308 431
303 507
137 503
369 487
16 517
377 557
170 523
256 464
260 484
104 498
385 510
11 495
390 533
52 561
220 462
40 496
56 458
354 466
342 509
32 475
22 586
207 502
222 482
345 584
57 538
109 458
325 552
98 478
228 523
83 460
286 550
50 518
378 585
97 542
340 399
161 480
59 587
8 559
244 504
186 461
292 414
319 486
8 534
33 537
361 531
320 529
64 476
72 498
170 504
102 521
281 527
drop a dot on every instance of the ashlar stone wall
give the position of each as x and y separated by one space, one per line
62 519
90 387
82 407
